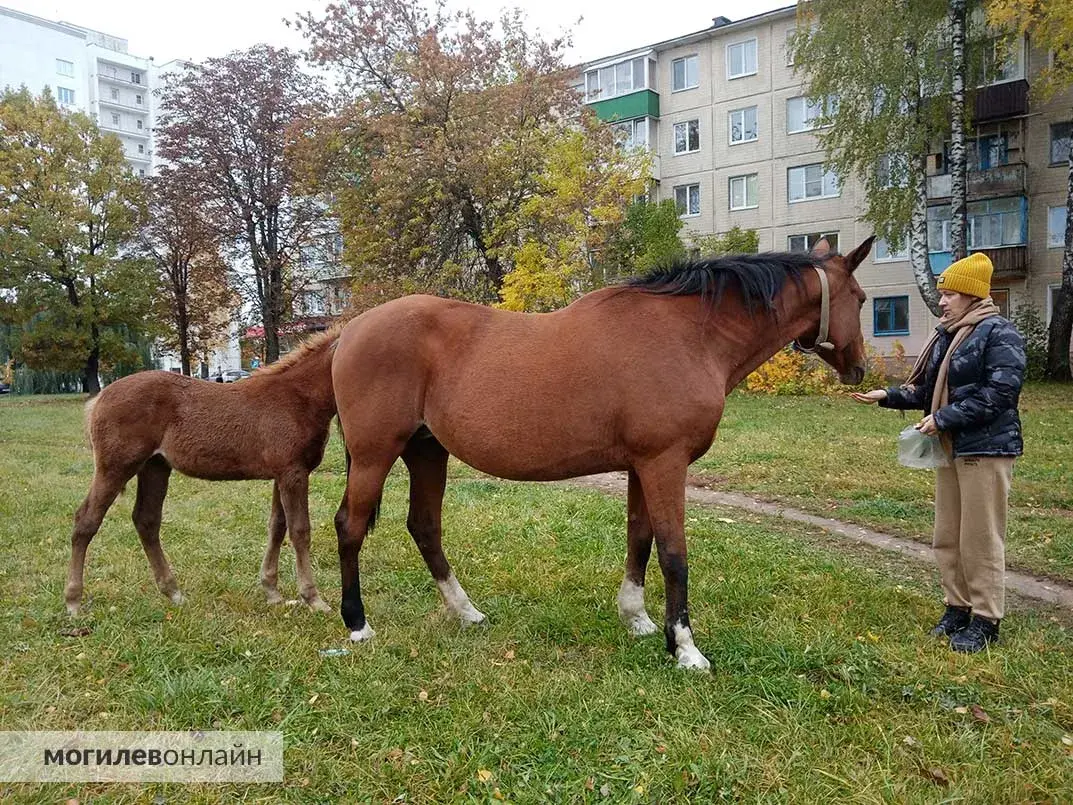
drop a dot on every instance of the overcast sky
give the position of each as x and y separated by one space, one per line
196 29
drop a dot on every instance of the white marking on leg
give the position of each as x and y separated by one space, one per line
177 597
361 635
631 609
456 600
688 654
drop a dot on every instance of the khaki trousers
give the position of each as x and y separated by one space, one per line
971 499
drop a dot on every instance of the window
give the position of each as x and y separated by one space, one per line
687 137
789 50
631 133
687 199
996 222
890 315
685 73
892 170
1001 297
741 59
1061 142
1056 227
115 120
139 124
141 172
1001 61
806 243
744 192
115 94
808 182
743 125
1052 301
887 253
938 229
64 67
615 79
65 96
138 100
141 148
135 78
803 116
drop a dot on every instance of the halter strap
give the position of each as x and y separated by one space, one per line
825 317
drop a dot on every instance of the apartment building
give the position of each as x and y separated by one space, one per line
732 139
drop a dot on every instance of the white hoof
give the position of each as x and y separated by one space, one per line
690 657
177 598
641 625
317 604
361 635
73 609
471 616
273 598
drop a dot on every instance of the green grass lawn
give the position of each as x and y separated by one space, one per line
833 456
824 685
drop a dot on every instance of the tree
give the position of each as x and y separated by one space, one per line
881 60
733 241
225 124
565 227
443 136
185 250
647 239
958 179
72 208
1050 22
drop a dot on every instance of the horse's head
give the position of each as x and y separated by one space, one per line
842 346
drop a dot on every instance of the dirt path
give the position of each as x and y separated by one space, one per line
1029 586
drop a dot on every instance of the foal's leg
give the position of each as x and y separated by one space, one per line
148 509
294 493
631 595
426 459
277 529
663 482
103 491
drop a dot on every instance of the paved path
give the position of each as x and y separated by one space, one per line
1041 589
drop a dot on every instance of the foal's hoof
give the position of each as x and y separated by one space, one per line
273 598
641 625
471 617
361 635
177 598
317 605
691 658
73 608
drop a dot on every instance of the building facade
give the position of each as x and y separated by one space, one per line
732 138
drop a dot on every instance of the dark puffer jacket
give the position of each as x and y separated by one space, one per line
986 374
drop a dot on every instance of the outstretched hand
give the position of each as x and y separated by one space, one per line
869 397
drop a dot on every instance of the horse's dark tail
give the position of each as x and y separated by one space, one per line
375 515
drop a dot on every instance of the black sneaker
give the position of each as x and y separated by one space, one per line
976 636
953 621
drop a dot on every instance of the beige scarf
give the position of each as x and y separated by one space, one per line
962 329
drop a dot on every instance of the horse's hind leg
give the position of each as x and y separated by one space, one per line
277 529
148 511
294 493
631 594
426 459
103 491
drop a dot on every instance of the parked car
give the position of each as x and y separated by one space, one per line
4 388
231 375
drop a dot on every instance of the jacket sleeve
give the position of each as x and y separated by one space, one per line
904 398
1004 372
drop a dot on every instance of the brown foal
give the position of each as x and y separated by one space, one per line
628 378
273 425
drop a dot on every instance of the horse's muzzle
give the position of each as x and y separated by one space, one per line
853 377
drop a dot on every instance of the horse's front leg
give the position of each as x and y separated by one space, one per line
631 594
663 484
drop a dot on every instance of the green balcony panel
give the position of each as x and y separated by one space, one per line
644 103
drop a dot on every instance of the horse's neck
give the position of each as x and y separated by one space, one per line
753 339
310 378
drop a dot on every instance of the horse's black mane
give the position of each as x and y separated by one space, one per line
758 277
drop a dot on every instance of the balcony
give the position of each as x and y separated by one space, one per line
117 77
126 132
998 101
143 109
1004 180
137 157
1010 262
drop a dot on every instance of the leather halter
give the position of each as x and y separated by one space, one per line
825 318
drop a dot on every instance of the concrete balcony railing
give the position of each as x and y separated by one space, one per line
1004 180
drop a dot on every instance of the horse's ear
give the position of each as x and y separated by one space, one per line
856 257
821 249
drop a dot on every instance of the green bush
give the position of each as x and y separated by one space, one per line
1030 324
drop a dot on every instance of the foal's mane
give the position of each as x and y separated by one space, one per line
315 343
758 277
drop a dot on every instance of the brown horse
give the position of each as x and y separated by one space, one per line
273 425
628 378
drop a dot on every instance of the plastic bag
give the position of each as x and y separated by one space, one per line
920 451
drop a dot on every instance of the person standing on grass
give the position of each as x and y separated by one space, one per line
967 381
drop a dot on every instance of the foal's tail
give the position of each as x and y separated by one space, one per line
374 516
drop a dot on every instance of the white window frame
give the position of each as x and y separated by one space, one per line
141 148
900 256
116 120
820 236
674 137
601 92
687 188
756 58
1060 242
744 179
69 93
824 194
823 107
685 62
139 125
65 68
730 125
636 124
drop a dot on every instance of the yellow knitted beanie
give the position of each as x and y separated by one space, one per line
970 276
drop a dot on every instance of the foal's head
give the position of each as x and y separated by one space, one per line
846 350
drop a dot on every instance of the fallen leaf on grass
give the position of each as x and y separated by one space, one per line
605 790
909 740
938 777
422 696
961 710
484 775
1068 741
80 631
980 714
